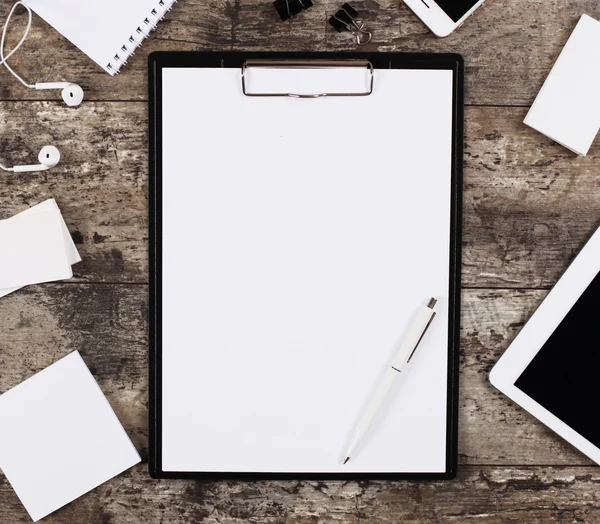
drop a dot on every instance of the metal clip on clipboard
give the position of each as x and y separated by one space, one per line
307 64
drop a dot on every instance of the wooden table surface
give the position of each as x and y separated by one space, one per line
529 206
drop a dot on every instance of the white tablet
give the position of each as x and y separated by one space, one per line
552 368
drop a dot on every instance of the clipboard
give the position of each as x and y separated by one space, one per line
216 415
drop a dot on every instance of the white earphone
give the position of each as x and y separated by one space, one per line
72 94
49 157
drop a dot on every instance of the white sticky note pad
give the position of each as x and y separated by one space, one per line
567 109
59 437
50 204
69 246
32 250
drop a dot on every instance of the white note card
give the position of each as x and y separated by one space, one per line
59 437
32 248
36 247
50 204
567 109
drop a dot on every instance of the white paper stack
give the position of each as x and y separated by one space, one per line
59 437
567 109
35 247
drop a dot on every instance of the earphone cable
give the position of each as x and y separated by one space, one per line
3 59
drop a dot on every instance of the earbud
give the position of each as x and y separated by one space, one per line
49 157
72 94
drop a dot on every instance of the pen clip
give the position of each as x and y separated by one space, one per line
432 303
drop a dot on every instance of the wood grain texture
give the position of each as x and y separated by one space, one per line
101 184
532 495
107 324
508 49
529 204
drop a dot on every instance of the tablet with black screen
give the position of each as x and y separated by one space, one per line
551 367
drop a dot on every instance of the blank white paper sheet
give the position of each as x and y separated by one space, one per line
299 238
30 249
59 437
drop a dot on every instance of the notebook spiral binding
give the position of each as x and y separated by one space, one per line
140 34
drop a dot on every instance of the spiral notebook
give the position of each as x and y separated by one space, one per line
108 31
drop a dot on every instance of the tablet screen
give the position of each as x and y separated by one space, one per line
563 376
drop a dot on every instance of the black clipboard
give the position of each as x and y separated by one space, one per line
159 60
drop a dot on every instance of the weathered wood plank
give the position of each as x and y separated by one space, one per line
535 495
108 324
509 48
529 204
100 184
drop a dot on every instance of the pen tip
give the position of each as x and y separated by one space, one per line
347 459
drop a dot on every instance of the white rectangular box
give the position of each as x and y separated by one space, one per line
567 109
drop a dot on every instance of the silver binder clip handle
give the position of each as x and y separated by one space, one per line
362 36
356 27
346 18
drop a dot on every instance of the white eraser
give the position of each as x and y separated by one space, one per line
567 109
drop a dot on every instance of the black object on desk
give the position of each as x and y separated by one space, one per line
162 72
289 8
346 19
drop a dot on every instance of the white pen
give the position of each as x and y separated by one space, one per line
405 353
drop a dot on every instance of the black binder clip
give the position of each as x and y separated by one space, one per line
289 8
346 20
